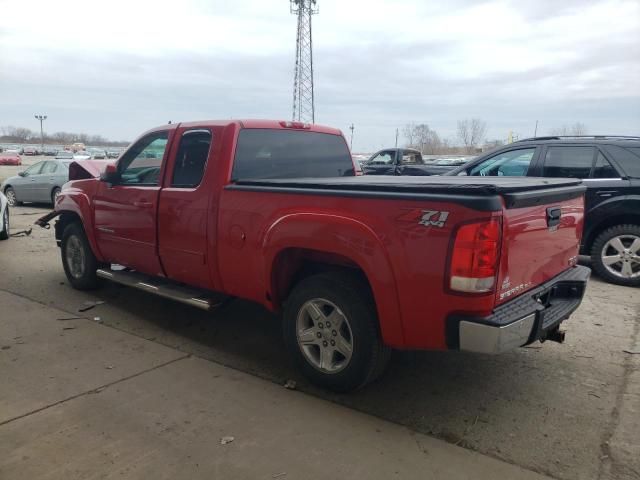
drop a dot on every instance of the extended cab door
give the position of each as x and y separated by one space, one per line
125 212
186 213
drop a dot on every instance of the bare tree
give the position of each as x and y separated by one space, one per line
471 132
421 137
408 132
577 128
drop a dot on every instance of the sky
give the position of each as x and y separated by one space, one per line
118 68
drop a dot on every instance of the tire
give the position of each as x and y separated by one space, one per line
615 255
345 316
10 193
54 194
4 234
78 260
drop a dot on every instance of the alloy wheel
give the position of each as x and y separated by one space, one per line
621 256
11 197
324 335
75 256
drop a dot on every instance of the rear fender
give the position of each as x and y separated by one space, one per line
348 239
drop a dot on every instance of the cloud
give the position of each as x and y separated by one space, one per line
120 67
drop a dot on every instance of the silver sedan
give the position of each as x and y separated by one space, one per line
40 182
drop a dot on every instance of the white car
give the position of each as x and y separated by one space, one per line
82 155
4 217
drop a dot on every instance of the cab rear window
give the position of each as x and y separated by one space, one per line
264 153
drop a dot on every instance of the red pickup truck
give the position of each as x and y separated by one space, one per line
272 212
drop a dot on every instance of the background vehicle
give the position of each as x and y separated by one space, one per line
4 217
113 153
98 153
50 151
31 151
64 155
610 169
10 157
82 155
41 182
272 212
406 161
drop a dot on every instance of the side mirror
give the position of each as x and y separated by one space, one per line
23 174
110 174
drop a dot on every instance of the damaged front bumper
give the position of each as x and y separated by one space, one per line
44 221
535 315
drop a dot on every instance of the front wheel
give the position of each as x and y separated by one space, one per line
331 331
10 193
615 255
78 260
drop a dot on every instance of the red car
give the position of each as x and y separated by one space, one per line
10 158
272 212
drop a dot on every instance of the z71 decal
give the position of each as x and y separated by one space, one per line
433 218
426 218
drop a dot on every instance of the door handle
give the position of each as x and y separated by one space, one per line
606 193
143 204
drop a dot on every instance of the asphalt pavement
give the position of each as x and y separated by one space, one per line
569 411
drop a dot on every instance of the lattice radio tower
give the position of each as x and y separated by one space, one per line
303 99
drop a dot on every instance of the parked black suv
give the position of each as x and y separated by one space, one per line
609 167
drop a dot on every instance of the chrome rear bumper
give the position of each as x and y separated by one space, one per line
476 337
534 315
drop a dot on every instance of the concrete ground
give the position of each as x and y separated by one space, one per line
569 411
89 401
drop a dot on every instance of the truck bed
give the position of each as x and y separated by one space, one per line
480 193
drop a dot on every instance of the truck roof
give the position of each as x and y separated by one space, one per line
256 123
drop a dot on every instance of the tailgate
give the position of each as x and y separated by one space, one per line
541 238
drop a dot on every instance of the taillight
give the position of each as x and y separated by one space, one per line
475 256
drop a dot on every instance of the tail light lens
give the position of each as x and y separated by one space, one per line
475 256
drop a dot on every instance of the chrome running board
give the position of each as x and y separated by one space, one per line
163 287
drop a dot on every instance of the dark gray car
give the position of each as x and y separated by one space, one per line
40 182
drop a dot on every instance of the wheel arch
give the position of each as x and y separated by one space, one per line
604 224
335 243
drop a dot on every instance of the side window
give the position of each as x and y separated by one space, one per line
513 163
411 158
35 169
603 169
572 162
191 158
142 162
382 158
49 168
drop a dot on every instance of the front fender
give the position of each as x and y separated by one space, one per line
349 238
77 201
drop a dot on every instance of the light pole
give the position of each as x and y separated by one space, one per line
352 128
42 118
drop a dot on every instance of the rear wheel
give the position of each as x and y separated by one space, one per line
54 195
78 260
331 331
4 234
615 255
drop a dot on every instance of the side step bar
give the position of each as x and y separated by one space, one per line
162 287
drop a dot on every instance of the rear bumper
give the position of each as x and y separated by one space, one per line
535 315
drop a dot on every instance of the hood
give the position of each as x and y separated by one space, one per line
82 169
